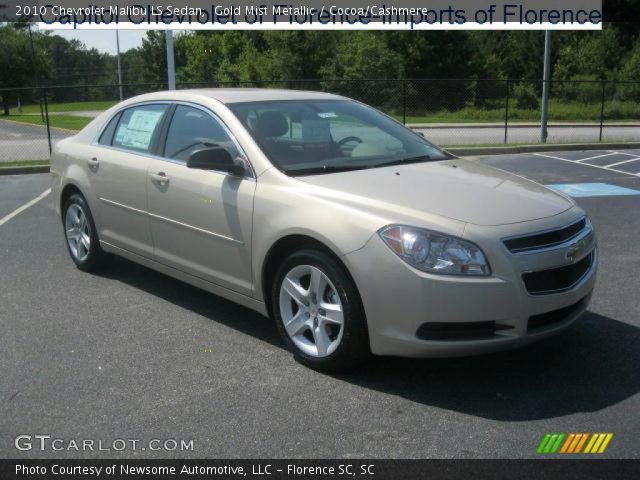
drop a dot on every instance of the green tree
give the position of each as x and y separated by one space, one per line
361 55
593 55
19 64
631 72
508 54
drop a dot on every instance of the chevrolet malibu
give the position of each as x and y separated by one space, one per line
355 234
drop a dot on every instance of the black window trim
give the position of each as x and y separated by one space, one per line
161 139
115 118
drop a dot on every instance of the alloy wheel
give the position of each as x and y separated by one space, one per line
78 232
311 311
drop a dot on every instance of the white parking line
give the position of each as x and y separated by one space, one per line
21 209
628 154
624 161
597 156
587 164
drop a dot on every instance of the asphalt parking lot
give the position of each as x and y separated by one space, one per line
133 354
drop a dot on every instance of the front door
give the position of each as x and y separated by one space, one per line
201 220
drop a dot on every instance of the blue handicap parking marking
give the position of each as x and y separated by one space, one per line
592 189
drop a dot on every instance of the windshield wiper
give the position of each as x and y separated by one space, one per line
403 161
323 169
345 168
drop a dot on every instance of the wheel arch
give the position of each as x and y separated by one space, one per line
71 188
66 192
283 247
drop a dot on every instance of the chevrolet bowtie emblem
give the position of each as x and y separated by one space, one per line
574 250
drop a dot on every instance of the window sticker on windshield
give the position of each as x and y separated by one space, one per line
140 129
316 131
327 115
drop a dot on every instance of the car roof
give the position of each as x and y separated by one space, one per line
239 95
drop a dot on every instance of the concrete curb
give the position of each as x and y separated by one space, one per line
23 170
467 151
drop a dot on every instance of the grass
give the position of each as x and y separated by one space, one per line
70 122
558 112
68 107
24 163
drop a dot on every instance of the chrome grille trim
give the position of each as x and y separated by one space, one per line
511 242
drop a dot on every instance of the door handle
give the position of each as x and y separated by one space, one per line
93 163
160 178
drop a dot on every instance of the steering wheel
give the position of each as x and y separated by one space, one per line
341 143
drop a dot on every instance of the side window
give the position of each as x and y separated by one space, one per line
107 134
138 126
192 129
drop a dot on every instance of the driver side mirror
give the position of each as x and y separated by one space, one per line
215 158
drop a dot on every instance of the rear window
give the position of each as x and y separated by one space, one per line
138 127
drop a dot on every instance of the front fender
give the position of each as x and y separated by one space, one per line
280 211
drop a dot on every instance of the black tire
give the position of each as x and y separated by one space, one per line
94 260
354 347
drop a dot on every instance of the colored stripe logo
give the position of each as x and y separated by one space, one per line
573 443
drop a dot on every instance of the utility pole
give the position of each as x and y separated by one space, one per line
119 66
171 66
546 84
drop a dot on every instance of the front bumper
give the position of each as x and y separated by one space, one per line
399 299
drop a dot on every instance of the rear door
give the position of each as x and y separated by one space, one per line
119 176
201 220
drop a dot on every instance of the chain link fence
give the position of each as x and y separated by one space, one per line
449 112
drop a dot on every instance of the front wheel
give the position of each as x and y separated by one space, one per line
319 313
80 233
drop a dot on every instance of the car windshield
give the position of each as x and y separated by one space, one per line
304 137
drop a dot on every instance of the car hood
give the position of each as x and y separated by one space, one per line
462 190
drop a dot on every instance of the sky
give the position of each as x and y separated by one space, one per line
105 40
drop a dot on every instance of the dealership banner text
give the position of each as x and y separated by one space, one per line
314 15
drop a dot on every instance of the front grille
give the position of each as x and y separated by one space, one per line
557 279
545 240
554 317
459 330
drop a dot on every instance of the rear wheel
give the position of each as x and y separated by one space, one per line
80 233
319 313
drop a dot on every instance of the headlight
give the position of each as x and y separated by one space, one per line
435 252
